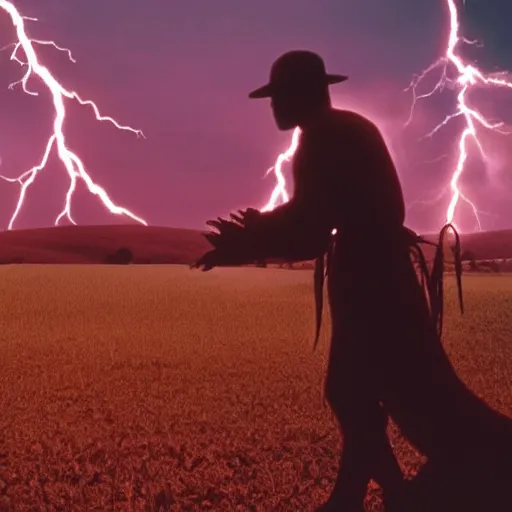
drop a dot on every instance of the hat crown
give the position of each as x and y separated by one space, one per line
297 65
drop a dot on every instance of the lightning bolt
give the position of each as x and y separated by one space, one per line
467 77
57 140
280 189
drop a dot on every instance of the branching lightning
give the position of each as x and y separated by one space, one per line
467 78
280 189
72 163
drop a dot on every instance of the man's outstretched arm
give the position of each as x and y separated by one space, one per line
297 230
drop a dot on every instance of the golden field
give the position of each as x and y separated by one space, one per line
162 388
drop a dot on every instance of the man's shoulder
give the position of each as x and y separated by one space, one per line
339 128
350 120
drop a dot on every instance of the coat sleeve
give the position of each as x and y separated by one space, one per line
300 229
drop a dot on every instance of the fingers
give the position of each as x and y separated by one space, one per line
204 268
221 224
214 224
228 234
237 218
207 261
224 222
201 265
217 222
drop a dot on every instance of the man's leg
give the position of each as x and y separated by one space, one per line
366 452
386 471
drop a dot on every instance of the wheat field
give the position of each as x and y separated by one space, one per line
162 388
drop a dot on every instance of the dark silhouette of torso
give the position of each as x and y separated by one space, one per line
342 157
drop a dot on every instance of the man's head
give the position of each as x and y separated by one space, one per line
298 88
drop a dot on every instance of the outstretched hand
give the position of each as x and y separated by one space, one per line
208 261
231 232
221 258
227 232
229 240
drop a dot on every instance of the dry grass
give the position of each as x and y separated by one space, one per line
130 388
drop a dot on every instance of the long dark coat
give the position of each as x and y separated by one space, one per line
385 345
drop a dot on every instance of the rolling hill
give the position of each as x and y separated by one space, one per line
153 245
94 244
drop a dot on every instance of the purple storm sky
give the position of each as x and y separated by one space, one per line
181 71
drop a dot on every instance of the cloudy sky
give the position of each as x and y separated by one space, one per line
180 71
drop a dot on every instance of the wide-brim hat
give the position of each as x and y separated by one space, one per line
294 68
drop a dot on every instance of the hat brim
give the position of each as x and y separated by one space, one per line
267 90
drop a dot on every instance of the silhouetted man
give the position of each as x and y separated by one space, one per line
385 344
344 179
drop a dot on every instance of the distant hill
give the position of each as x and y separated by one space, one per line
94 244
489 245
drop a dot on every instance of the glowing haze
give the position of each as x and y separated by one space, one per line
466 78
